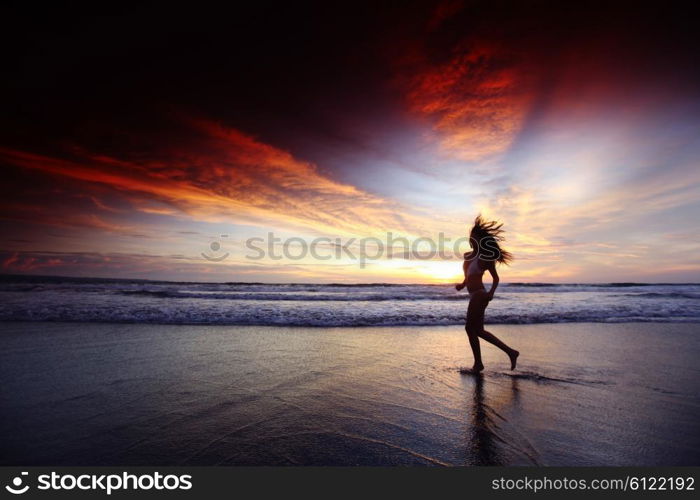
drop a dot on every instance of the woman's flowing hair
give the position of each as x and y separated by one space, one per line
489 235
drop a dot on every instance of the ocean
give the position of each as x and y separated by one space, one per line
34 298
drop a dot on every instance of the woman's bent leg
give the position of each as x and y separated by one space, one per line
512 353
490 337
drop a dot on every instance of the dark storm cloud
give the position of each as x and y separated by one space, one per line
108 79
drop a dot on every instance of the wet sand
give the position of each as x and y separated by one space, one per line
127 394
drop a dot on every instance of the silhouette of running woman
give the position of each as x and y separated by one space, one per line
484 238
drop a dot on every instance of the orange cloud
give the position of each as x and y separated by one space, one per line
477 100
21 263
222 174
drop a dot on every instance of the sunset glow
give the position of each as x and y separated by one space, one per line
583 142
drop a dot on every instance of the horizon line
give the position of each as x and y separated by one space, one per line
376 283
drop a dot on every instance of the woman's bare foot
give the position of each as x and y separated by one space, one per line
513 355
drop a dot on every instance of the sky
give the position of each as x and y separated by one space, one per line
317 143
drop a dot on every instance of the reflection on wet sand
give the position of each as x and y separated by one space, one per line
196 395
491 438
482 444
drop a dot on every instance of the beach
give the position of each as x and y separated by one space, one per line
152 394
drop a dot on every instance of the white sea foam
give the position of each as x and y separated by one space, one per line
134 301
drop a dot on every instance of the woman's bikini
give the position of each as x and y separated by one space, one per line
474 269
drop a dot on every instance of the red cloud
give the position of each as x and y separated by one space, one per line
477 100
25 263
217 174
